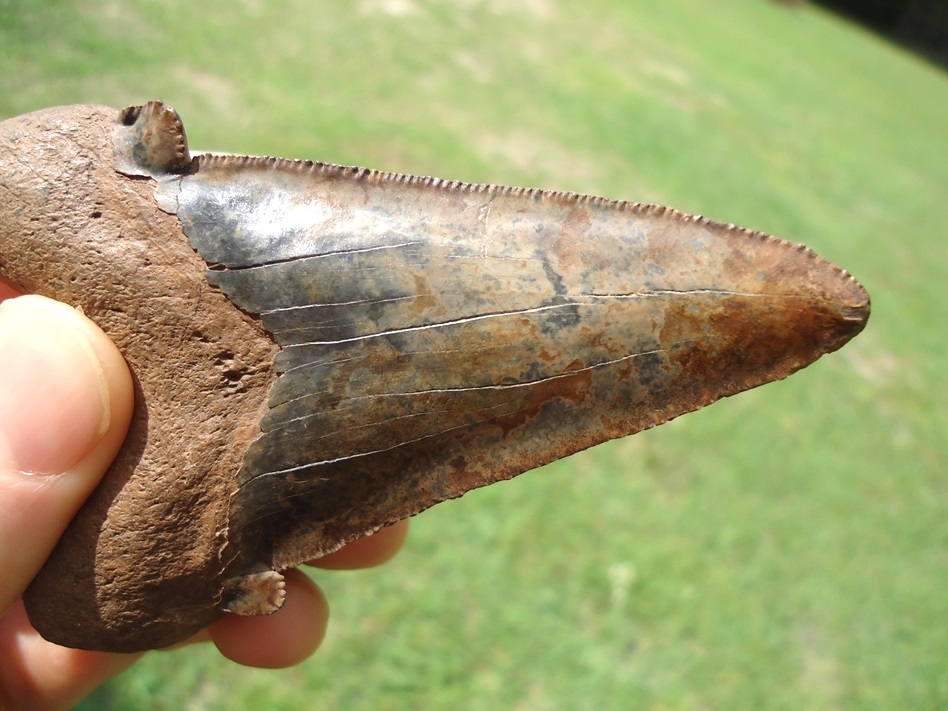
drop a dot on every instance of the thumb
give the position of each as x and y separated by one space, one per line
65 406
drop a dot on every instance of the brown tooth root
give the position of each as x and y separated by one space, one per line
321 351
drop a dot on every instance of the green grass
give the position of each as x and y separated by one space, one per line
784 549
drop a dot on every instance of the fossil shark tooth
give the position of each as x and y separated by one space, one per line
321 350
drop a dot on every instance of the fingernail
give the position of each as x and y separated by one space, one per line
54 397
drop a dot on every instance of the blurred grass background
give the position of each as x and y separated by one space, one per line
784 549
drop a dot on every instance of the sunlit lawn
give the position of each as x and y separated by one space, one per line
785 549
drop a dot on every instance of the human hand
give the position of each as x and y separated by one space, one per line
66 401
